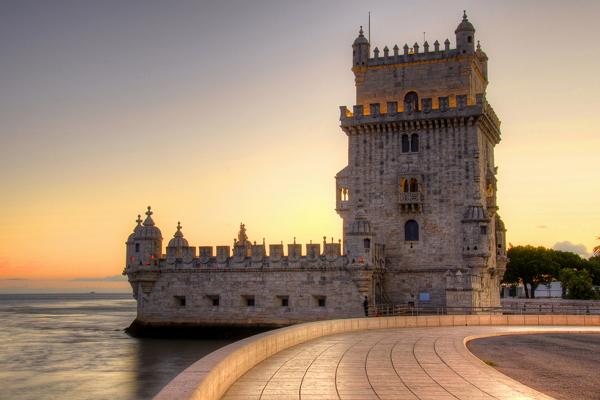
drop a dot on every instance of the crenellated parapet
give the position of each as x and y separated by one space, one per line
459 107
413 54
246 256
313 257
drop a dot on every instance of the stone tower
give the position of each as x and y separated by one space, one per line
421 171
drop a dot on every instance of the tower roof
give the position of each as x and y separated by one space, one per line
465 25
148 230
178 239
361 39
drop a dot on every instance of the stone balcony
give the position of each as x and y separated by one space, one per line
410 201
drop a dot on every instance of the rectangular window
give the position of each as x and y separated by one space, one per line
137 247
483 229
285 301
214 299
249 301
321 301
179 301
424 296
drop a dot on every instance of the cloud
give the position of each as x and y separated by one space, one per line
542 226
572 247
112 278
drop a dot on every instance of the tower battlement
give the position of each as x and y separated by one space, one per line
446 107
413 72
413 54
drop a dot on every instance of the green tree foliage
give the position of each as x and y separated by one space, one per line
566 261
593 267
531 266
537 265
578 284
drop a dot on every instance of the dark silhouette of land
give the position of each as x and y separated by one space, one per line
565 366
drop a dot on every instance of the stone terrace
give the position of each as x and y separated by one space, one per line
407 363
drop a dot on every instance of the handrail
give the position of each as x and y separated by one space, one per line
386 310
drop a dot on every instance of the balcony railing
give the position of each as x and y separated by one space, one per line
410 198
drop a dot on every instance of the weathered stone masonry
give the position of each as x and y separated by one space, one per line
417 199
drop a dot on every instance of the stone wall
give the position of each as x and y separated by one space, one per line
249 296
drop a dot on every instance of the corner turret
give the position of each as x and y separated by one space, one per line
360 51
148 241
359 243
465 36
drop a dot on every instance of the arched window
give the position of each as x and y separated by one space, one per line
414 143
405 144
344 194
411 102
411 231
404 185
414 185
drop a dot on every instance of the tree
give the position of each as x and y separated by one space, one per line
597 249
578 284
567 262
530 265
593 267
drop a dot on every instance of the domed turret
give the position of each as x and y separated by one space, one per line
178 244
360 50
149 230
465 36
359 240
145 243
178 239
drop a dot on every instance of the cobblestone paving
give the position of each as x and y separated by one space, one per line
409 363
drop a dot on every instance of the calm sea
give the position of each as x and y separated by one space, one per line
72 346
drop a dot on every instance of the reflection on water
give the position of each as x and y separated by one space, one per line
73 347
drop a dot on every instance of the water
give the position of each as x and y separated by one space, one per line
72 346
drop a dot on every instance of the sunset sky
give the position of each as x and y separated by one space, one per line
220 112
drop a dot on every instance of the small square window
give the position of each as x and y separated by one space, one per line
214 299
180 301
483 229
249 301
321 301
285 301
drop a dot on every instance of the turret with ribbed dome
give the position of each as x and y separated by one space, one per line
178 244
465 36
144 245
360 50
358 240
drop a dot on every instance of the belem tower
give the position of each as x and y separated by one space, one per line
417 200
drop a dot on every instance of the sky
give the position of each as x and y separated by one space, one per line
216 113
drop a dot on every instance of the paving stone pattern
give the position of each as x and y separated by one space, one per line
409 363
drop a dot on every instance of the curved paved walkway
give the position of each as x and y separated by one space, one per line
402 363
